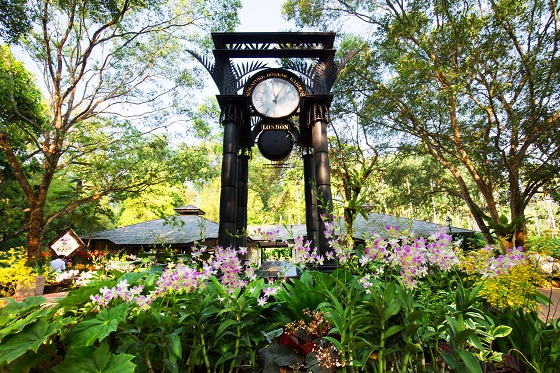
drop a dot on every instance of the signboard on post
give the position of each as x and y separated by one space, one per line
66 244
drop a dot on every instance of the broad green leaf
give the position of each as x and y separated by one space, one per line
470 361
392 310
411 347
501 331
19 323
224 325
30 338
335 342
273 334
171 364
307 279
86 332
100 361
415 315
225 357
392 330
31 360
14 308
462 336
175 344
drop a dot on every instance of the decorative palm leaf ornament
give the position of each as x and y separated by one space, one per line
311 56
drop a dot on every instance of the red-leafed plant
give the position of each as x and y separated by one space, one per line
300 347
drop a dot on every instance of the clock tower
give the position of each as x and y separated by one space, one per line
276 108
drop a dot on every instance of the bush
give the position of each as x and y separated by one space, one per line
13 271
507 281
545 245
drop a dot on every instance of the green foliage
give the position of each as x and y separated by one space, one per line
21 103
545 245
20 97
204 121
318 323
299 295
31 338
533 341
156 202
87 332
134 53
96 360
274 192
506 230
14 271
513 289
452 81
305 12
14 20
197 164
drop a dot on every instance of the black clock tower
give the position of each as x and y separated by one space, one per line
277 108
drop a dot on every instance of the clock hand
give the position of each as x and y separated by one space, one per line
282 90
278 94
275 99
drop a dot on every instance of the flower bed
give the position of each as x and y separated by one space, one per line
400 303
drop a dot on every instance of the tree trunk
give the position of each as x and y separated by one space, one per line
517 208
349 216
35 231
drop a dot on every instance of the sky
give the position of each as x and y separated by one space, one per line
262 16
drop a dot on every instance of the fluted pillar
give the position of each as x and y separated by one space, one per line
231 119
318 118
311 217
242 195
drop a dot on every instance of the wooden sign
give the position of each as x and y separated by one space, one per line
66 244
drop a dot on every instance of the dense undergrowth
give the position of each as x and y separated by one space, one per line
400 303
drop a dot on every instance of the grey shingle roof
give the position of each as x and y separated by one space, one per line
362 227
283 232
179 229
377 222
183 229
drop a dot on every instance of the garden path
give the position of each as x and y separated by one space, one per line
53 297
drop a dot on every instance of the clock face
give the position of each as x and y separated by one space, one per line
275 98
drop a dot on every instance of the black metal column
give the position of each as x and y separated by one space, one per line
231 119
242 195
311 217
318 120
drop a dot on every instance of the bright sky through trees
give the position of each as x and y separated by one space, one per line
262 16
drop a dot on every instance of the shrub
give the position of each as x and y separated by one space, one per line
13 271
544 245
506 281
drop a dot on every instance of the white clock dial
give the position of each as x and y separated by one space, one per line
275 98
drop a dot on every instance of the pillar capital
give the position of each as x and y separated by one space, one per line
231 113
318 112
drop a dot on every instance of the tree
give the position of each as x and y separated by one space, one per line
268 187
19 99
477 82
99 59
354 160
416 186
14 20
